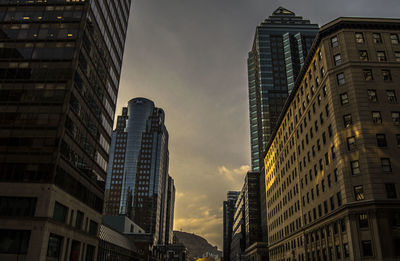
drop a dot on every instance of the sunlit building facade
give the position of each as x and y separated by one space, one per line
280 45
60 65
138 183
332 161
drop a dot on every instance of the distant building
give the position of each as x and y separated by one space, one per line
247 223
59 78
138 184
229 211
169 233
280 45
332 163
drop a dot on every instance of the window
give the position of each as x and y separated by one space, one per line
54 246
60 212
340 79
333 152
14 241
79 220
344 98
347 120
338 59
377 38
372 95
396 117
376 117
17 207
398 140
359 38
381 56
322 70
346 251
394 38
363 55
355 167
386 75
368 75
351 143
339 199
366 248
334 41
319 55
397 56
93 228
90 251
391 190
386 165
391 95
381 140
363 220
359 193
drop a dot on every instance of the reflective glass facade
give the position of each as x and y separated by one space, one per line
60 64
280 44
138 184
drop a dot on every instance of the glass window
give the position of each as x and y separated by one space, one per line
391 190
79 219
347 120
60 212
54 246
344 98
366 248
376 117
386 165
359 192
93 228
322 70
397 56
334 41
338 59
368 75
391 95
386 75
339 198
396 117
351 143
398 139
372 96
381 140
377 38
14 241
17 206
359 38
340 79
346 251
90 251
394 38
381 56
363 55
363 220
355 167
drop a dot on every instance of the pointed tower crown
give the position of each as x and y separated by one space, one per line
283 11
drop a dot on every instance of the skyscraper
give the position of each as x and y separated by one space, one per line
332 162
228 215
138 183
59 76
280 45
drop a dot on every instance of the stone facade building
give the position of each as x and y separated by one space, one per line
331 166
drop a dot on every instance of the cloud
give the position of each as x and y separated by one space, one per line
199 202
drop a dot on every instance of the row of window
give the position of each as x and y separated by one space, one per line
360 39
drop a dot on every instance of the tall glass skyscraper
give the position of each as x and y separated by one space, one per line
138 182
60 64
280 46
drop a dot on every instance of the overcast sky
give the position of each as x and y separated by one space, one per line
189 57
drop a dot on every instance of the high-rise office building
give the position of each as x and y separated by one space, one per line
59 75
332 162
228 213
138 183
280 45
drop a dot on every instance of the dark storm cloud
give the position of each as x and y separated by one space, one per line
189 57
